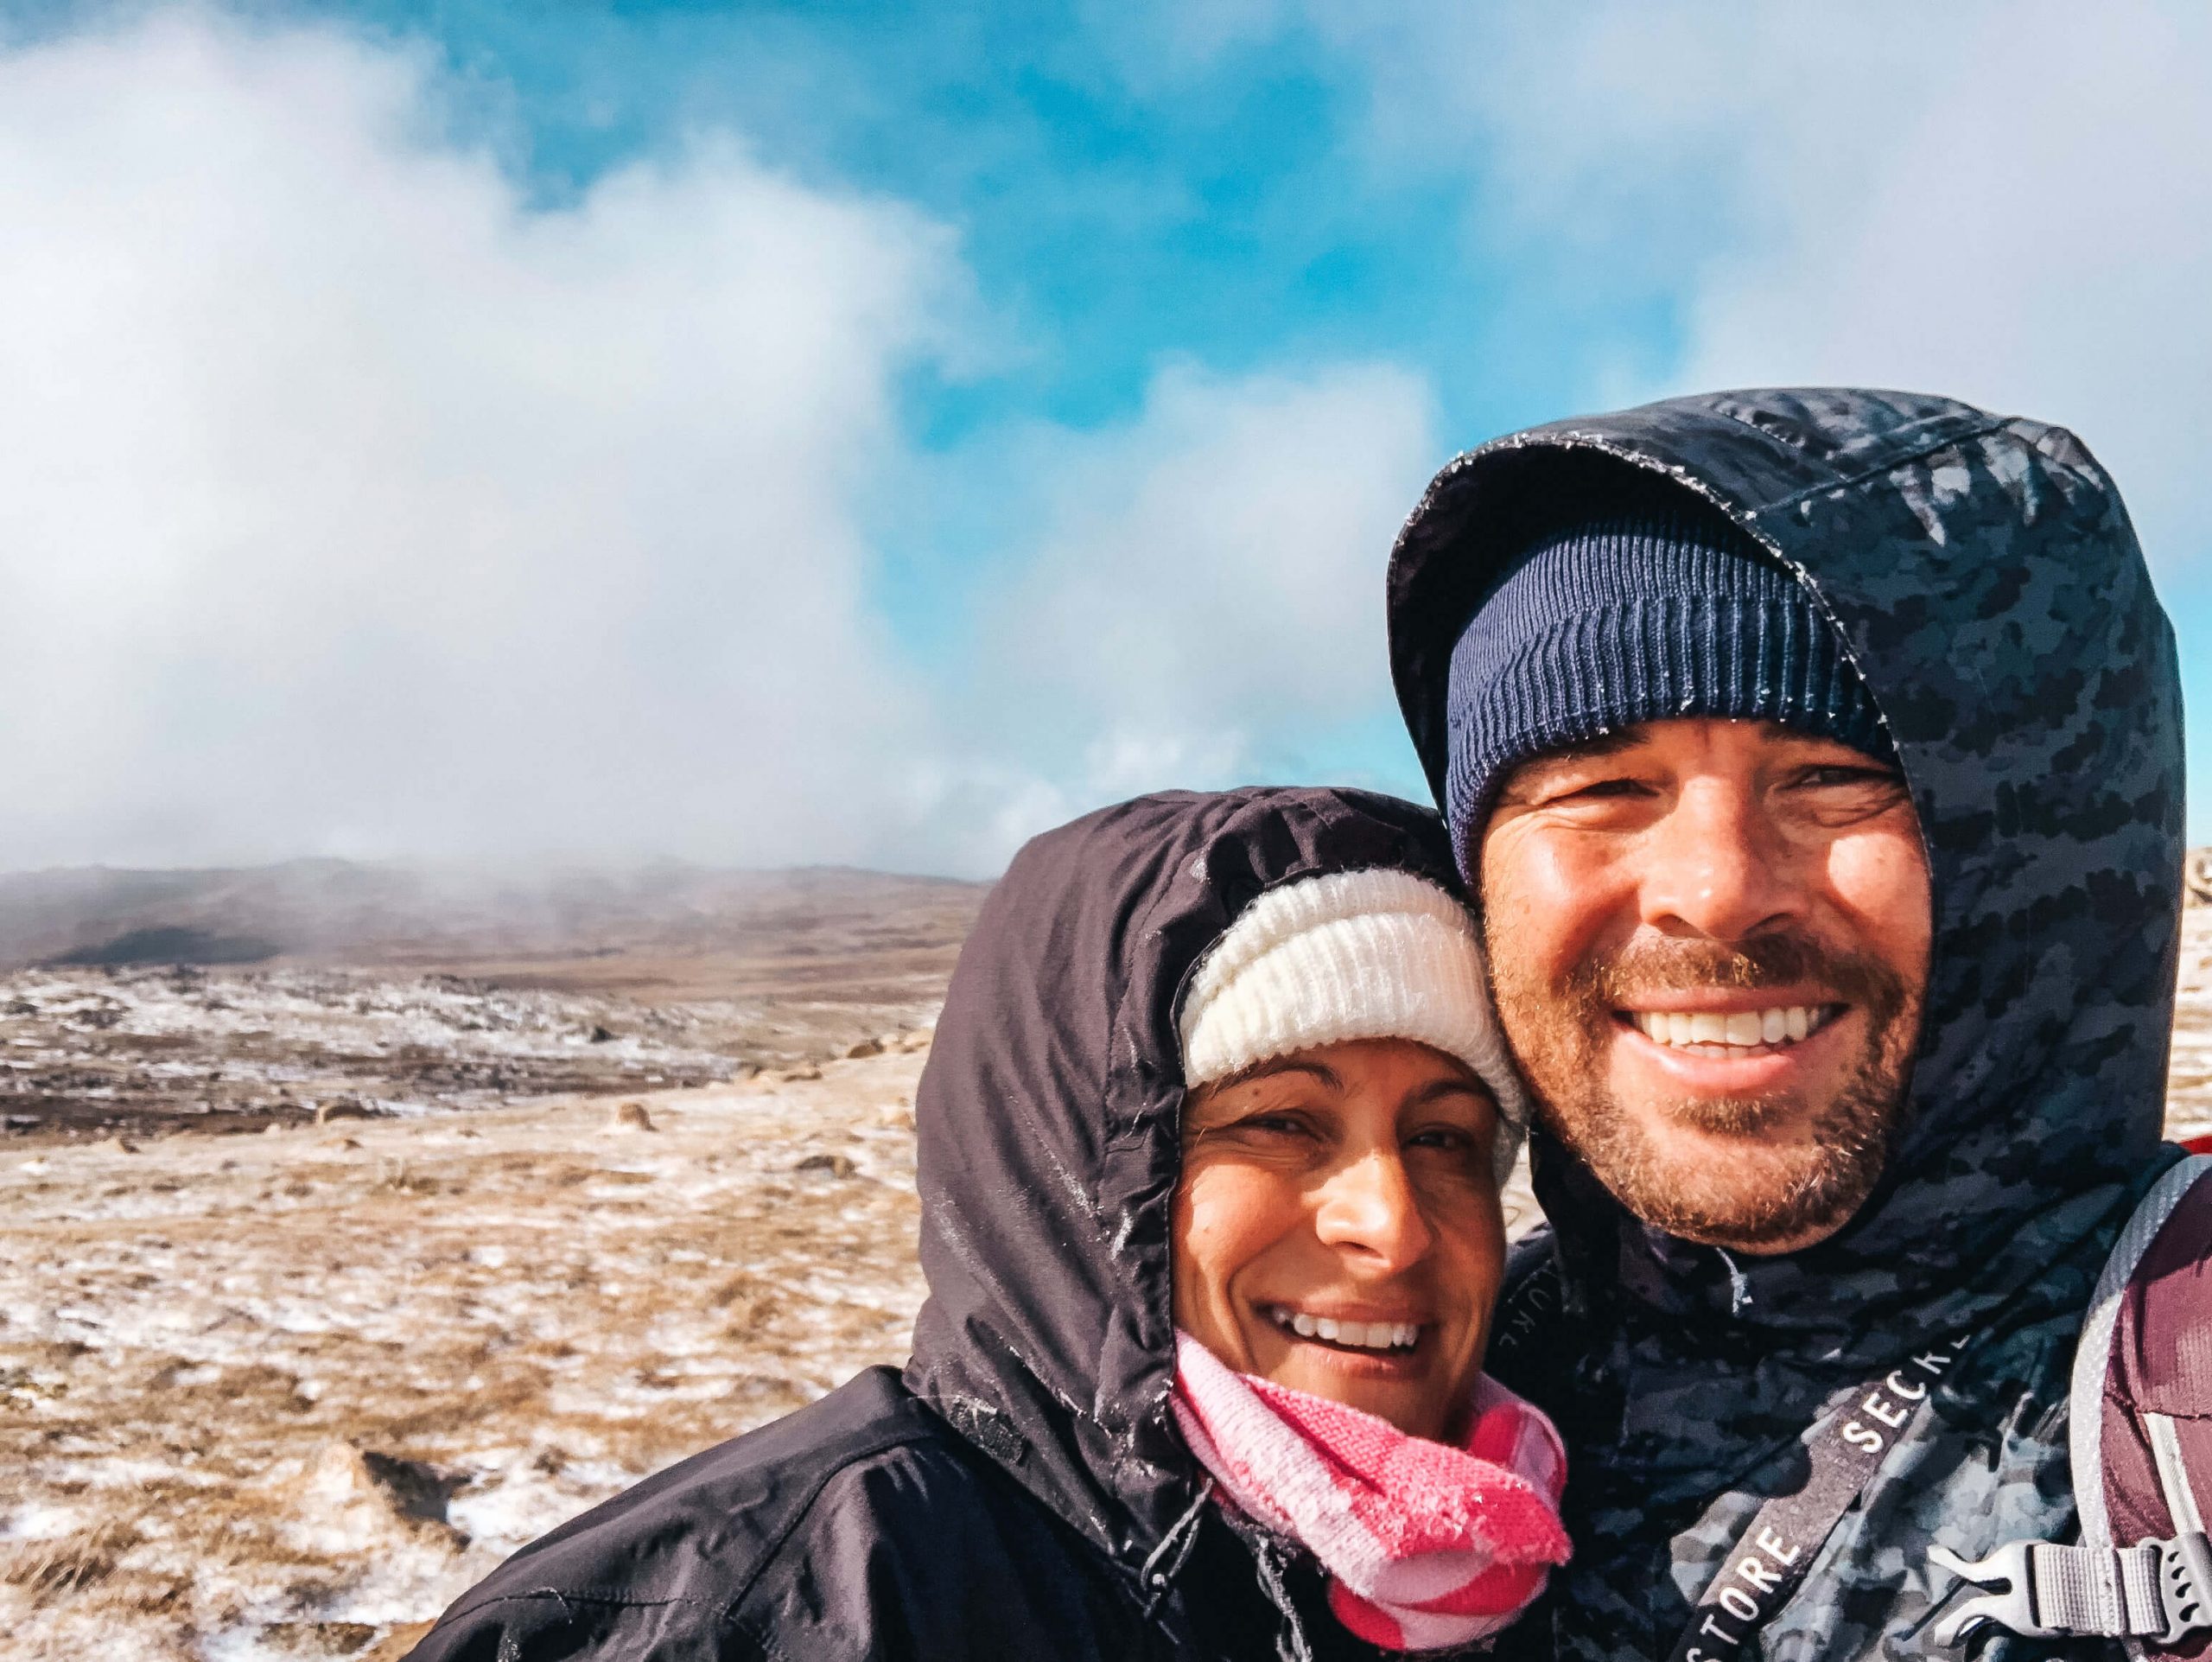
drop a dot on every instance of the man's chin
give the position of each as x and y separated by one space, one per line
1732 1172
1775 1129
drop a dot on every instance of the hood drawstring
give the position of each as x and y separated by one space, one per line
1739 1285
1272 1558
1182 1535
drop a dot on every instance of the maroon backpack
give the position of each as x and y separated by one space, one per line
2141 1407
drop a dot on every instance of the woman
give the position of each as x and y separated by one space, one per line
1220 1063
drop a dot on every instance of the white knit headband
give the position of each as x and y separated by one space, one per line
1375 954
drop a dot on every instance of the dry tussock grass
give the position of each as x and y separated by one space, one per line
200 1342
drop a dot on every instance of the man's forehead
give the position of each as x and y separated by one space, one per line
1682 732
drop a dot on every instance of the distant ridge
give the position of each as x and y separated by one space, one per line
341 911
168 944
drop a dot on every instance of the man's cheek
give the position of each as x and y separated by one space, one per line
1548 1030
1548 909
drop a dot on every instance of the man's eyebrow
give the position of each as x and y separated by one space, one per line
1593 748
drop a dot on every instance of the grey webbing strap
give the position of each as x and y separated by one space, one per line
2157 1591
2108 1590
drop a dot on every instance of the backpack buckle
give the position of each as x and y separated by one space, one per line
2014 1608
2156 1591
2185 1585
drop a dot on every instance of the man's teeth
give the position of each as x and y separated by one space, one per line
1367 1335
1742 1028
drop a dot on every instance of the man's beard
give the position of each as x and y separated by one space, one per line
1561 1035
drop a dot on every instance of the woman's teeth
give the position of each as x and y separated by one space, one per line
1366 1335
1737 1029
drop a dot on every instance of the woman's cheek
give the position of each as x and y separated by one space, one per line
1200 1246
1232 1211
1470 1217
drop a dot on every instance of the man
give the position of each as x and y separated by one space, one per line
1815 757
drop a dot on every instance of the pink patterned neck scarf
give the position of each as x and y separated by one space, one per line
1427 1545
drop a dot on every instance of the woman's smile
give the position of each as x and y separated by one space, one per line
1350 1332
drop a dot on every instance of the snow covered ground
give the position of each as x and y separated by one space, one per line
2189 1089
139 1052
282 1396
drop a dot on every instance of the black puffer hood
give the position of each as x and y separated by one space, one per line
1049 1122
1983 576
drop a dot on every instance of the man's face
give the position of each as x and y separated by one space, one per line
1710 943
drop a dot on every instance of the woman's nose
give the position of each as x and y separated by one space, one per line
1367 1207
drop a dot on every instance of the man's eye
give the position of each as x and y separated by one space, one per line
1596 790
1845 774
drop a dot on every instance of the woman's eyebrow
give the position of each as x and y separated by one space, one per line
1274 1065
1436 1089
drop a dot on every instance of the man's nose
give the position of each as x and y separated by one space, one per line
1715 866
1369 1209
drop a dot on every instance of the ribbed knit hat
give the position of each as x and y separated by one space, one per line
1375 954
1647 604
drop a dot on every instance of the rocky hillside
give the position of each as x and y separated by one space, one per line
141 1003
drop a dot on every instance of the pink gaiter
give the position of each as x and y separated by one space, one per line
1427 1545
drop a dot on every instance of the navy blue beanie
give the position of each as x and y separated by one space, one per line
1647 603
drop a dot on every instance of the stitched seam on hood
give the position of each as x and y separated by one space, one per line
1853 480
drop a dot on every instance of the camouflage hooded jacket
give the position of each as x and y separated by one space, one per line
1982 574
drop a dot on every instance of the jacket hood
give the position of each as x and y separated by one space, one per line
1982 573
1048 1120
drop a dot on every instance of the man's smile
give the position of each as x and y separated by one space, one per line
1708 1028
1711 1043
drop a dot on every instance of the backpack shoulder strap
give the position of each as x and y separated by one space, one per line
2141 1401
2140 1446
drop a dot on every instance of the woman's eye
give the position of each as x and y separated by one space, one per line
1448 1138
1281 1125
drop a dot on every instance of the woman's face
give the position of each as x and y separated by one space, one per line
1338 1227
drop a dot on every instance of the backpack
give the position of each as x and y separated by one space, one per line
2141 1428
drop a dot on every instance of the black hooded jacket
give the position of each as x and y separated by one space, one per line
1021 1491
1982 574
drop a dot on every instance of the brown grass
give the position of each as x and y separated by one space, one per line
541 1312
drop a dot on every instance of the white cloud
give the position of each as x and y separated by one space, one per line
2029 226
2008 201
348 502
1208 577
352 502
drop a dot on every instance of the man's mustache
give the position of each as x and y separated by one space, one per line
1653 964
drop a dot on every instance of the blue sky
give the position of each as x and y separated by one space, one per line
870 432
